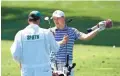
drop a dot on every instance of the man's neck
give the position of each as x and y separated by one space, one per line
34 23
60 27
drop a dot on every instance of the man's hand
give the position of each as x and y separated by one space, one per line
105 24
64 40
101 25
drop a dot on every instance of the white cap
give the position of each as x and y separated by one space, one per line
58 13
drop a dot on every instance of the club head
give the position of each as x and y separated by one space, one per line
46 18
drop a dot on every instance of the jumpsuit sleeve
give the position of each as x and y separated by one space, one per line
16 48
54 47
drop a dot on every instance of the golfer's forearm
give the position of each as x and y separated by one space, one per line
89 35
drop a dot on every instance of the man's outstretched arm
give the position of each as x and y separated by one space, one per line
100 27
90 35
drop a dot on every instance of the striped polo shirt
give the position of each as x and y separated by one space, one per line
66 49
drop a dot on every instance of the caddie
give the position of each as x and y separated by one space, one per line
32 46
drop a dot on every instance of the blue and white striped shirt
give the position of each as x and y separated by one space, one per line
66 49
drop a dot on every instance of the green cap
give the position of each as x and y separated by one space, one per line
34 15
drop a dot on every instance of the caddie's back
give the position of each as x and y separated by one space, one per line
33 43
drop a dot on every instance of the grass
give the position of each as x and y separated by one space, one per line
84 14
90 60
96 61
96 57
9 67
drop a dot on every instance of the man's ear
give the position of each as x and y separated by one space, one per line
39 21
28 21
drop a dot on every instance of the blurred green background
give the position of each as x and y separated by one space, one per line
97 57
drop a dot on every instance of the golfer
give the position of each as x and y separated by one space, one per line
62 29
32 46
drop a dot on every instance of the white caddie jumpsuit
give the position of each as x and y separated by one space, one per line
31 48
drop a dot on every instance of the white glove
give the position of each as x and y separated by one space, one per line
101 25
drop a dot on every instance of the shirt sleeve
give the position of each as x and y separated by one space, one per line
77 34
16 48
